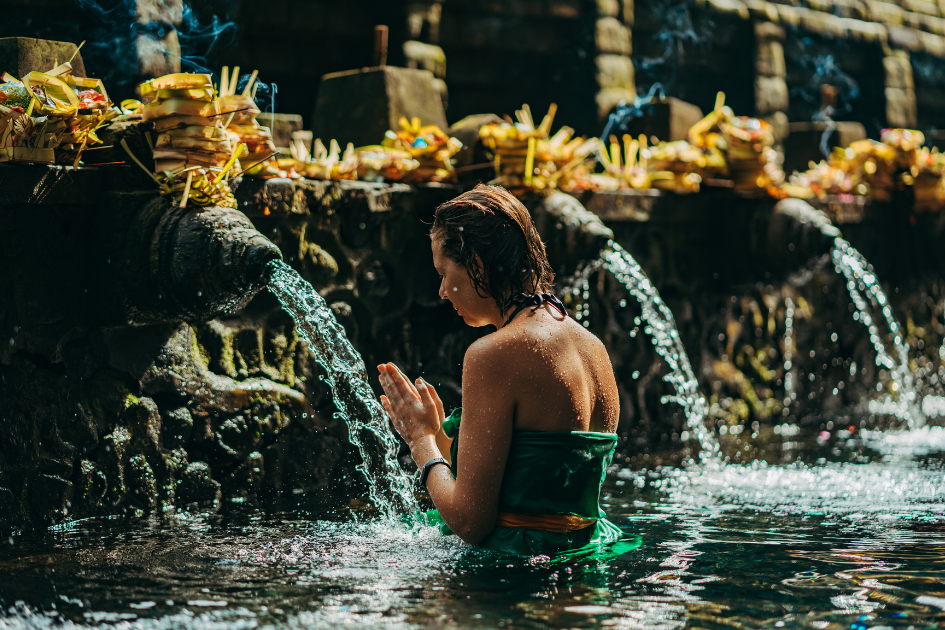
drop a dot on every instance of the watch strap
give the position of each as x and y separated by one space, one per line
425 471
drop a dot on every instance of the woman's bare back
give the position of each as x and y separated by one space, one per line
561 374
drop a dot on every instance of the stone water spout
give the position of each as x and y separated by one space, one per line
807 232
193 263
572 234
810 233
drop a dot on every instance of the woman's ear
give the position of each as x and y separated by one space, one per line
478 272
480 269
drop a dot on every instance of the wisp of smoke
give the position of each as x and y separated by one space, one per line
198 41
676 30
826 70
113 31
625 112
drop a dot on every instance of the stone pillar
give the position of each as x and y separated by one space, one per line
157 43
423 23
771 91
900 90
615 74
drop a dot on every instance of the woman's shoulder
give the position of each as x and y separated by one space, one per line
498 345
537 337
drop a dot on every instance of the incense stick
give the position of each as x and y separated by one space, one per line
78 48
254 164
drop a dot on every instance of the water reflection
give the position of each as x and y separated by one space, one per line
836 545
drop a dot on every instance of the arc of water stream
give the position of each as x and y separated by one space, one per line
661 327
862 281
389 486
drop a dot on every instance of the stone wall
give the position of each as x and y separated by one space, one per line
105 412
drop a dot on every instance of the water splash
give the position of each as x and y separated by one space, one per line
862 281
389 486
661 327
866 294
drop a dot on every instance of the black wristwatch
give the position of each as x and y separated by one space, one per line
425 471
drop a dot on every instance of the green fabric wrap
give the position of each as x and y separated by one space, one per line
549 472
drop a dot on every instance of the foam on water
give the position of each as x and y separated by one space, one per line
389 486
849 491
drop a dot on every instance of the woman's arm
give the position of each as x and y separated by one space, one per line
469 503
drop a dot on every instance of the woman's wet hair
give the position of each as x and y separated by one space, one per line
490 224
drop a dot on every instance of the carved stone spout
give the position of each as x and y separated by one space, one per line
193 263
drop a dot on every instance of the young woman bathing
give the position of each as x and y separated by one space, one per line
540 400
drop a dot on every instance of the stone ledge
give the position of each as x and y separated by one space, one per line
46 184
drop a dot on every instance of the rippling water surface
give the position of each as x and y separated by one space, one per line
835 545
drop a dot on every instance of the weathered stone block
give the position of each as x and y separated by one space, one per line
425 57
628 14
21 55
608 8
359 106
142 417
668 120
610 36
282 127
160 11
770 59
158 56
902 37
899 71
768 30
564 8
771 95
420 14
900 108
921 6
615 71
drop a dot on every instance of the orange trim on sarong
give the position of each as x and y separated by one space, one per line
560 523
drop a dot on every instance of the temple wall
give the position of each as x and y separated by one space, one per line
105 415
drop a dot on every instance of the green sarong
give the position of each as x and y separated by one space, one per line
550 472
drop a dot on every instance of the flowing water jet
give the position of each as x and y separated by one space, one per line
789 350
661 327
389 486
866 294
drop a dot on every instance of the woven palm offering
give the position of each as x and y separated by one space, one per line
320 162
899 161
194 154
527 158
51 117
239 113
429 146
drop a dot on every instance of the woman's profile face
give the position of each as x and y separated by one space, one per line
457 287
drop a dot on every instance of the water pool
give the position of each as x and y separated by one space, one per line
834 545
